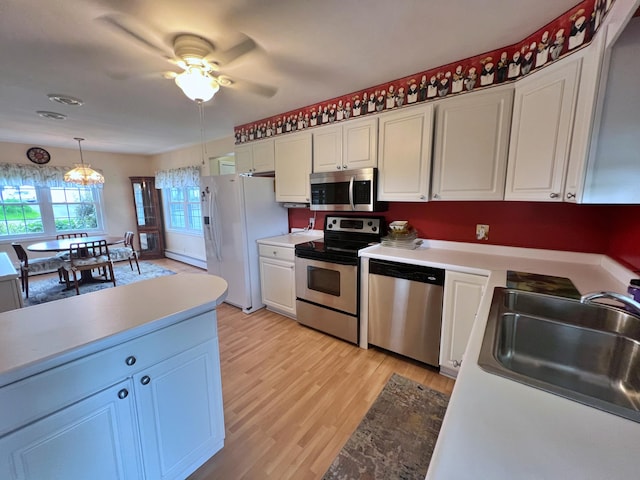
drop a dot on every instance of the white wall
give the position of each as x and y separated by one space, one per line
116 167
179 246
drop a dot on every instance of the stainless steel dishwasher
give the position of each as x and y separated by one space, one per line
405 309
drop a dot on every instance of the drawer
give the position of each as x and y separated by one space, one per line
36 396
282 253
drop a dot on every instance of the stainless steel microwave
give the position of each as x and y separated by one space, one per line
346 191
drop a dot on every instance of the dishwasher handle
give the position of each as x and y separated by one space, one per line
416 273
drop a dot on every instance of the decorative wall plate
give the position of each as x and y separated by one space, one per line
38 155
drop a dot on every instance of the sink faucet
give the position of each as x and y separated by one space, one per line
629 303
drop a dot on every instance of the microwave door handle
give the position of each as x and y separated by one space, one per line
353 207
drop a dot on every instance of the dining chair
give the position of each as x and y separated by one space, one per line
126 252
89 256
34 266
71 235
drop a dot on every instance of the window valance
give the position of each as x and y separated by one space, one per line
15 174
178 177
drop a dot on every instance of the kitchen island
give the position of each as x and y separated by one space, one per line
119 383
496 428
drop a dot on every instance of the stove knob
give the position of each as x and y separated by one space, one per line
369 223
329 226
374 229
334 221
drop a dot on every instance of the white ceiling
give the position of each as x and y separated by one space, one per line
311 50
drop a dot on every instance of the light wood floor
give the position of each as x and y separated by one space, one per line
292 395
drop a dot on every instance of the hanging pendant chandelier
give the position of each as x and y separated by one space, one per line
83 174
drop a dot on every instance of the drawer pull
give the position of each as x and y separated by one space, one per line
145 380
122 394
130 360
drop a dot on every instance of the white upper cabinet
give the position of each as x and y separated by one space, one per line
327 148
471 145
293 166
543 114
255 157
611 173
346 146
404 158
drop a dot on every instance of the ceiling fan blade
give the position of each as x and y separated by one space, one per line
248 86
133 29
242 48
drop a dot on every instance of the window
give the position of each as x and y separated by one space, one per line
36 211
184 209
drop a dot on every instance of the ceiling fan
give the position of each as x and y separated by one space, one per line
200 61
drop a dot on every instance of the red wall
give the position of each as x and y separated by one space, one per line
607 229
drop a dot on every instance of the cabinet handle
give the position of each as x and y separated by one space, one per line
553 195
122 394
344 167
338 167
457 363
145 380
131 360
275 253
435 195
571 195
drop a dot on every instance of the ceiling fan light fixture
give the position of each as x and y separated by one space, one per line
83 174
197 84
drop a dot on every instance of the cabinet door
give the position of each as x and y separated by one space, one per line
179 404
244 158
149 217
327 148
405 154
293 166
277 281
543 114
359 141
471 145
263 156
94 438
462 295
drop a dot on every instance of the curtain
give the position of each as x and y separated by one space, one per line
178 177
15 174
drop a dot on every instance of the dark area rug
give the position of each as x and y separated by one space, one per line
395 440
41 291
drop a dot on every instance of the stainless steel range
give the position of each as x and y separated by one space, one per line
327 275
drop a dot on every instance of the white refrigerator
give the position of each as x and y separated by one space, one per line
237 210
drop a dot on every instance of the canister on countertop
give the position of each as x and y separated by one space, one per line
634 289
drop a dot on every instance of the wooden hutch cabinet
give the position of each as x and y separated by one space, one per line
146 203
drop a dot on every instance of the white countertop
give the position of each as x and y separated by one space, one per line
292 239
34 339
496 428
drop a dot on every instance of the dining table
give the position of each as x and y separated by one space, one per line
63 245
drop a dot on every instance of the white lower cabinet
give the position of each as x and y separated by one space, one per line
148 408
462 295
95 438
277 279
178 401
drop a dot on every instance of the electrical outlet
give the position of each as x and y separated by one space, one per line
482 232
312 223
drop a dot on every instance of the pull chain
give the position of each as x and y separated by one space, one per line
202 144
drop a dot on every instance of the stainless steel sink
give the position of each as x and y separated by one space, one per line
588 353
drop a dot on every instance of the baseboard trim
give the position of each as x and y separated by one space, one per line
196 262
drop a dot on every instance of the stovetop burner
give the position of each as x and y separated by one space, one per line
343 237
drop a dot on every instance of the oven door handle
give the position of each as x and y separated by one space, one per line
351 180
